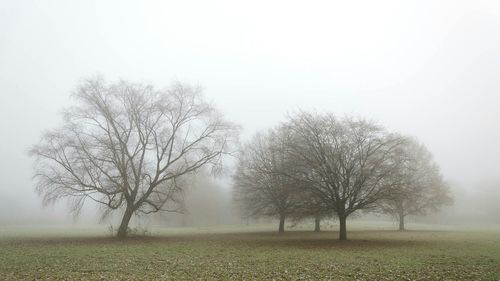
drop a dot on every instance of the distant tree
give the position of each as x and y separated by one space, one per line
260 186
130 147
207 202
309 206
345 161
319 212
418 186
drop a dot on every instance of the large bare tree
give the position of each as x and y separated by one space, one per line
260 186
130 147
418 186
346 161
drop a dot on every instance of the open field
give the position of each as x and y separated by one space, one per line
253 253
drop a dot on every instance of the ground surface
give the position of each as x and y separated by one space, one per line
263 255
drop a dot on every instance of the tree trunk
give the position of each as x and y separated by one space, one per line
282 224
317 222
343 227
401 222
122 230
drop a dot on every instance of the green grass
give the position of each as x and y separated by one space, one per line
237 253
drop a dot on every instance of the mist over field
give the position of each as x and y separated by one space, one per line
428 70
249 140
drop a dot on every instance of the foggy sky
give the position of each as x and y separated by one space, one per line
426 68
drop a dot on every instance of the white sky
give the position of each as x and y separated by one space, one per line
425 68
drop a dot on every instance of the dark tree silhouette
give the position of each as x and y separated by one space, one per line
130 147
345 162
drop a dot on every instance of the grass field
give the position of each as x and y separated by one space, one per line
240 253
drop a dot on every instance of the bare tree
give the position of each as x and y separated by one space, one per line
261 188
130 147
346 161
418 186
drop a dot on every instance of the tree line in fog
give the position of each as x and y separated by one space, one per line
319 165
132 148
